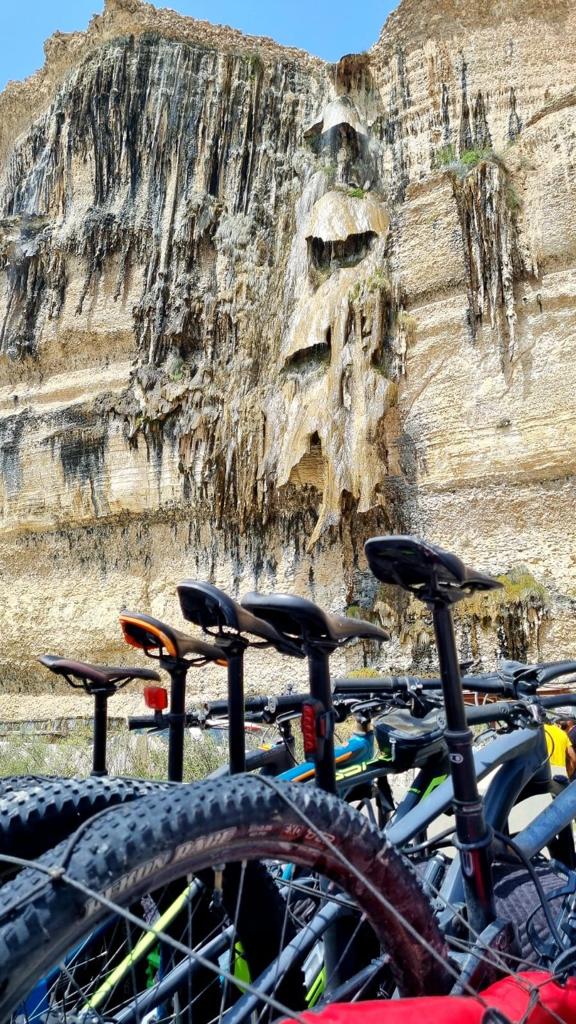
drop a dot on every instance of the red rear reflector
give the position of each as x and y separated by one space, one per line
156 697
308 726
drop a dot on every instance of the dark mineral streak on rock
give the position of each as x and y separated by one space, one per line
514 122
79 438
11 430
466 137
445 115
492 256
482 139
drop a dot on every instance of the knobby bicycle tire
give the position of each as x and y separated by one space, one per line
164 837
38 812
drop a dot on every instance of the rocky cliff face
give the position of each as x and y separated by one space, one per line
254 308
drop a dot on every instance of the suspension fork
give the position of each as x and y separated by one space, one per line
474 836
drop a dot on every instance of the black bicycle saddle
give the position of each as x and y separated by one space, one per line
96 675
430 573
213 610
148 634
304 622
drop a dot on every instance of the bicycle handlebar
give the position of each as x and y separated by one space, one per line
379 684
283 704
489 683
141 722
490 712
559 700
552 671
500 710
525 679
269 708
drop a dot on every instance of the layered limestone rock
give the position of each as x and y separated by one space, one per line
255 308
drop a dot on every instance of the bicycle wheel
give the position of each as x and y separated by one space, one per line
38 812
327 860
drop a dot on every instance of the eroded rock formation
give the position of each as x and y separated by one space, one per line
255 308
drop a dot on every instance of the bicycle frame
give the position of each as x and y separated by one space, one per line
521 758
559 815
358 750
519 752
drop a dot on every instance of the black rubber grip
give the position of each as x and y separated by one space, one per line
259 706
559 700
380 684
489 683
549 672
486 713
501 710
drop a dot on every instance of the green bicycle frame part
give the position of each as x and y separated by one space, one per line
143 946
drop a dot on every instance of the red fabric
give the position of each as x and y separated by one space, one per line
511 996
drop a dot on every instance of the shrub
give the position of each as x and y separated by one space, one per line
444 156
472 157
519 588
407 323
138 755
513 200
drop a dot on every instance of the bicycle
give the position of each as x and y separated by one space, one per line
257 815
36 812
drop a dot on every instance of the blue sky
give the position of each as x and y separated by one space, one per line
328 28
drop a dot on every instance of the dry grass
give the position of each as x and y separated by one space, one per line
139 755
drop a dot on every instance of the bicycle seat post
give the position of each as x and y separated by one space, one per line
474 837
234 648
177 717
99 740
321 691
439 579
